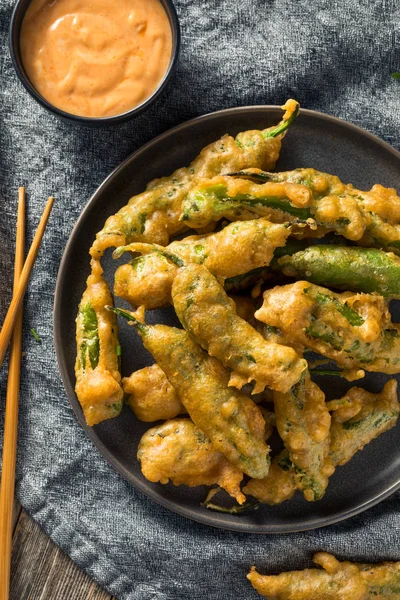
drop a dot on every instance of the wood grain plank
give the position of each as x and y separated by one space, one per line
16 514
41 571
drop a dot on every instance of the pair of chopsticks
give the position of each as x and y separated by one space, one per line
13 326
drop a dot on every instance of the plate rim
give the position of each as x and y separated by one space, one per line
210 518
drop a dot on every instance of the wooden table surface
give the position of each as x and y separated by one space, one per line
41 571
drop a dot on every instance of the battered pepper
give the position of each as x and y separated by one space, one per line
152 398
355 330
377 414
335 581
232 421
303 422
178 451
209 315
239 199
321 203
379 207
345 267
98 381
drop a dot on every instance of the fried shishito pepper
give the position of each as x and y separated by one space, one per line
209 315
237 249
335 581
151 396
232 422
345 267
180 452
303 422
355 330
368 218
239 199
374 413
371 218
153 216
98 386
377 414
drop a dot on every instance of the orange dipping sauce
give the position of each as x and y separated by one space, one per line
96 58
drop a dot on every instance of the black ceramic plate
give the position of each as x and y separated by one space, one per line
315 140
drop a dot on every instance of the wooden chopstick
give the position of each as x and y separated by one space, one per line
11 416
6 331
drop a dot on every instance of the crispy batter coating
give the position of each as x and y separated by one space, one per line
235 250
178 451
209 315
355 330
348 406
145 281
151 396
278 486
379 413
335 581
303 422
342 582
238 199
383 581
98 379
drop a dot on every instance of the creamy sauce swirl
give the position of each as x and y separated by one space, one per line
96 58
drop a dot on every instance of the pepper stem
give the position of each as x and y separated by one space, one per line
129 317
334 372
234 510
173 258
283 125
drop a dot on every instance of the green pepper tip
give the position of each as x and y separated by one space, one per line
118 252
129 317
284 124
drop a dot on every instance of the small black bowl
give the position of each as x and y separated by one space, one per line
14 35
